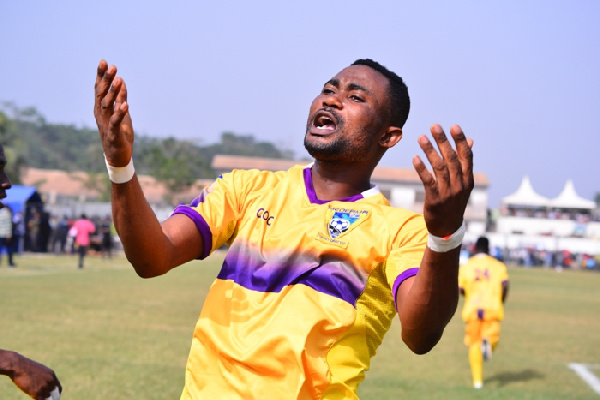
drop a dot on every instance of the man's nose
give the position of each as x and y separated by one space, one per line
332 100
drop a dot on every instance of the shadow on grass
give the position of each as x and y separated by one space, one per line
507 377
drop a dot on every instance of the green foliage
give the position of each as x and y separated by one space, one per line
177 163
49 146
16 160
243 146
3 126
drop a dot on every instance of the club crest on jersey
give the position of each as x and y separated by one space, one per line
340 221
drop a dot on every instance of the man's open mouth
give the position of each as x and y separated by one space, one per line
325 122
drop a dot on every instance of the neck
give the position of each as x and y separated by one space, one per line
332 181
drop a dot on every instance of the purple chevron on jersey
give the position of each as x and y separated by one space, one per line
272 272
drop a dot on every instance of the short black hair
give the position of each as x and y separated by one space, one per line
398 92
482 245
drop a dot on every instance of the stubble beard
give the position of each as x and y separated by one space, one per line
341 149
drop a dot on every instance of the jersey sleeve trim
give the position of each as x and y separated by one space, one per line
202 226
401 278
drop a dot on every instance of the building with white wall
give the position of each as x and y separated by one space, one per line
566 222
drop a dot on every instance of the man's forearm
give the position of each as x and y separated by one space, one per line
141 235
431 301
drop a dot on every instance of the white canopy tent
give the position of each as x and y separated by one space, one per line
525 196
568 199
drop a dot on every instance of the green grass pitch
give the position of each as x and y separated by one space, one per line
109 334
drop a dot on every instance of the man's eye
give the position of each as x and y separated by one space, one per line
357 98
326 91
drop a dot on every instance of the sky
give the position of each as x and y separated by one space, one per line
521 78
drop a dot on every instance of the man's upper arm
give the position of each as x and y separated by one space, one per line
402 292
405 259
185 238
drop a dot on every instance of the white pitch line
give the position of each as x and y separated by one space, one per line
584 373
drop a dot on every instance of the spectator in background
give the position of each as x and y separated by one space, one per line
54 240
18 226
83 227
33 228
63 229
6 231
45 232
107 237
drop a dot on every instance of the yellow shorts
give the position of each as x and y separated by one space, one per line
476 331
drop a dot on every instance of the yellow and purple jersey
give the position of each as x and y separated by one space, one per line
306 291
482 280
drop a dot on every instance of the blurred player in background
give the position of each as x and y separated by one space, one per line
483 280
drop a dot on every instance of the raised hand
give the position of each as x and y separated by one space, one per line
112 115
449 185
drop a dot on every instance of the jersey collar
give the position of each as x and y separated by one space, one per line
312 195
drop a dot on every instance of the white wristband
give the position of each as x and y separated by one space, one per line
442 245
54 395
120 174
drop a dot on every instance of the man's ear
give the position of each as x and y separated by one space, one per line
391 137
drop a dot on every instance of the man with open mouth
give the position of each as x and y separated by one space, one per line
319 263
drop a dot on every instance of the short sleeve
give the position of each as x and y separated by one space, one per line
216 211
407 252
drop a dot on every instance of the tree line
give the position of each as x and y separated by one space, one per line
30 141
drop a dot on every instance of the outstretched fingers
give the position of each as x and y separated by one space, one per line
427 178
452 168
448 167
111 110
449 181
109 99
104 78
121 95
464 155
117 117
439 176
102 67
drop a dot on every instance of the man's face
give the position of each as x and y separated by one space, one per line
347 119
5 183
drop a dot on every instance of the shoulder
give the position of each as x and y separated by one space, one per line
502 266
495 261
404 227
402 221
256 178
